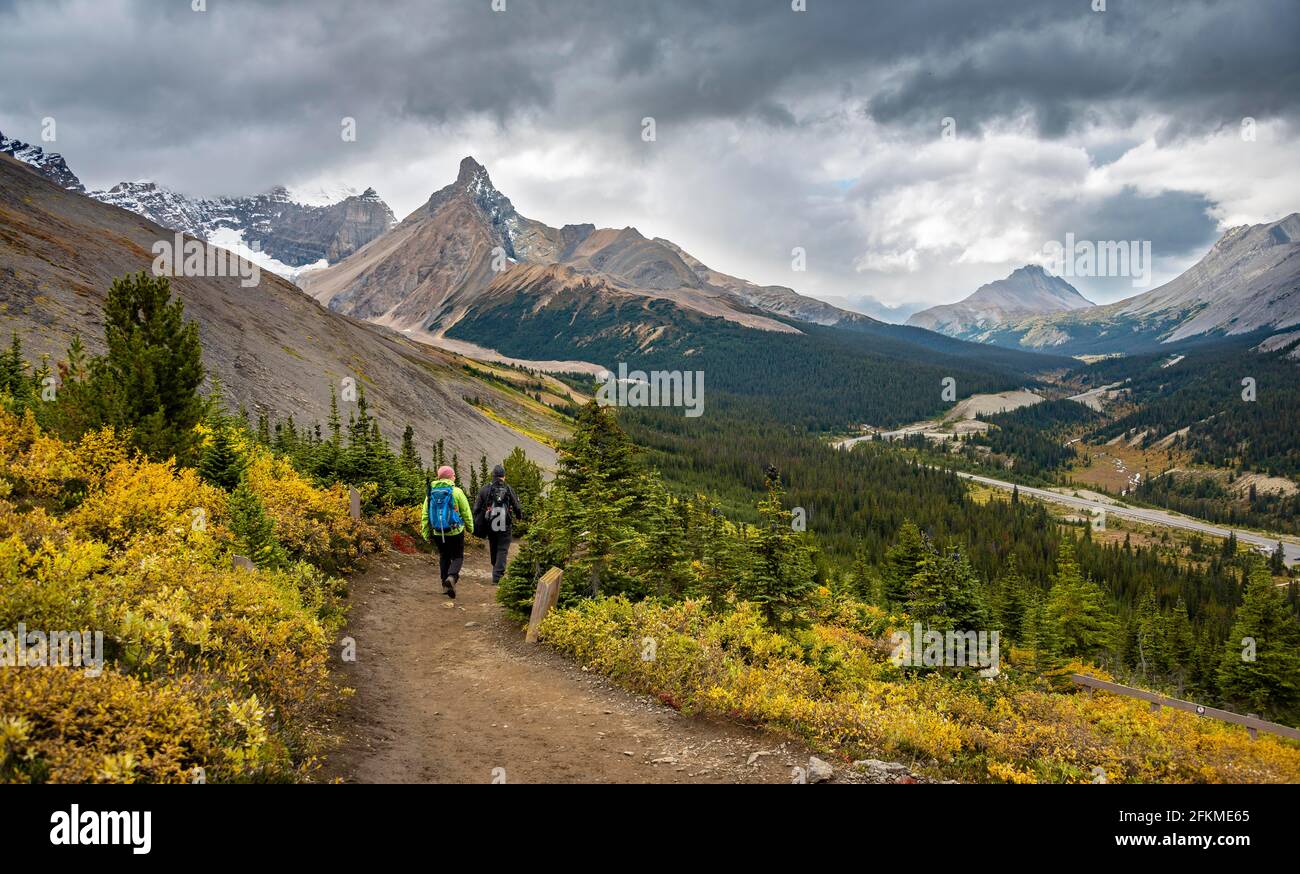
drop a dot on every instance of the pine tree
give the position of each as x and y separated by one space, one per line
944 594
1013 599
1041 638
1152 633
525 477
254 531
1270 684
902 561
148 381
219 463
1230 545
599 449
1076 608
13 367
410 458
781 572
864 581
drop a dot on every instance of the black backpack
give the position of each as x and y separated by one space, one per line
498 502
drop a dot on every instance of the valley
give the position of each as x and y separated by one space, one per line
587 468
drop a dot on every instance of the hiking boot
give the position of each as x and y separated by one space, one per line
451 584
446 587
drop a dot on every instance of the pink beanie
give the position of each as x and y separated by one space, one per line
445 472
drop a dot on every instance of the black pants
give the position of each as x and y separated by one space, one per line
451 554
499 549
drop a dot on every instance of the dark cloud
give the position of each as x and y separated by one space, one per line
1177 223
250 94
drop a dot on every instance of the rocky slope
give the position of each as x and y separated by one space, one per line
1028 291
274 349
292 233
468 241
294 229
49 164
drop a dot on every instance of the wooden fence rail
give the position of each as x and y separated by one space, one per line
1253 724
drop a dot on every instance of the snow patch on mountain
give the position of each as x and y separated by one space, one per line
49 164
232 240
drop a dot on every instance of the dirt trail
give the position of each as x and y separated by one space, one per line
448 691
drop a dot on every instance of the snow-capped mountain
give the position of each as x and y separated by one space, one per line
282 230
467 243
49 164
286 230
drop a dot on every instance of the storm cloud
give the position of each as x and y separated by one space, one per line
914 150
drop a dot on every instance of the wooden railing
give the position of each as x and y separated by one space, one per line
1252 724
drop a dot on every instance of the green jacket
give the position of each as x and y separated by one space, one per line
462 507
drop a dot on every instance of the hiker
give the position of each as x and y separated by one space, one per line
496 508
444 519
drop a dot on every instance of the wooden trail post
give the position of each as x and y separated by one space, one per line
354 504
548 592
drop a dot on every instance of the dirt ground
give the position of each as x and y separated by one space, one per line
448 692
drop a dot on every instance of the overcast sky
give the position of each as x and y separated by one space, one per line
774 129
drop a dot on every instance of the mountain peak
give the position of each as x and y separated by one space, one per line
472 172
1029 270
1027 291
49 164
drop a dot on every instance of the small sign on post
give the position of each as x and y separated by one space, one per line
548 592
354 504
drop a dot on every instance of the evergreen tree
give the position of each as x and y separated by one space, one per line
865 582
1042 639
254 531
1270 684
1076 608
1152 637
945 595
781 573
1013 599
219 463
149 379
525 477
902 561
410 458
1230 545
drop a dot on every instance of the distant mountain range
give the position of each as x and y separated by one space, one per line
468 267
467 271
468 244
1028 291
1248 282
292 229
274 349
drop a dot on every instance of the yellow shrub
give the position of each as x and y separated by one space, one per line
832 685
205 666
140 498
311 523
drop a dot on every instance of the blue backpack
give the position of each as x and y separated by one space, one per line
443 516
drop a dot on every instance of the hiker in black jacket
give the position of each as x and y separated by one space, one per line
497 506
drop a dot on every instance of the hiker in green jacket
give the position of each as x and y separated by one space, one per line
444 519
